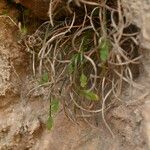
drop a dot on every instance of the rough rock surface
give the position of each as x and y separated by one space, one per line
39 7
141 17
139 12
19 120
23 116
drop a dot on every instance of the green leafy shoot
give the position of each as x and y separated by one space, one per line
104 47
5 12
83 80
75 61
96 12
55 105
90 95
26 12
50 123
44 78
86 41
24 30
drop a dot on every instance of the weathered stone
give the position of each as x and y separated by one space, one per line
39 7
139 12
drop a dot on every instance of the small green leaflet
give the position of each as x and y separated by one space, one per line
54 108
104 47
71 68
55 105
83 80
44 78
26 12
90 95
5 12
76 59
24 30
50 123
73 64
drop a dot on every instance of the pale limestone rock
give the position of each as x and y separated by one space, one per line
139 12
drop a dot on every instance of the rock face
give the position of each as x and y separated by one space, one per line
39 7
23 116
139 12
18 131
140 15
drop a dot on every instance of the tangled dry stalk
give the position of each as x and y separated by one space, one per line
87 56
